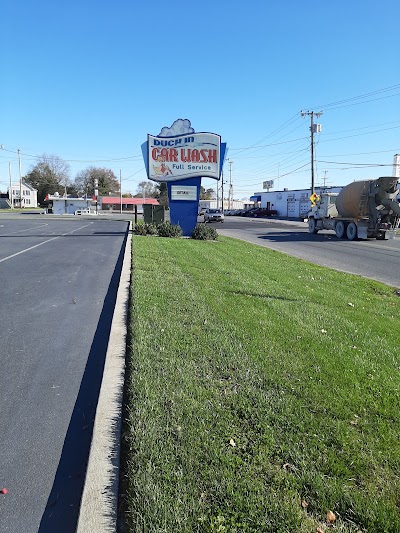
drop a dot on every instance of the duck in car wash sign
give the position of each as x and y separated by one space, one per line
181 157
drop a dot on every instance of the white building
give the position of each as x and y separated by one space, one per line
29 195
63 205
228 204
289 203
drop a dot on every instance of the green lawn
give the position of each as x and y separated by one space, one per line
263 392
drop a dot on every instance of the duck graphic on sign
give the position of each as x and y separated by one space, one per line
163 170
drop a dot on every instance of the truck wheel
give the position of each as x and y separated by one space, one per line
351 231
381 236
312 226
340 229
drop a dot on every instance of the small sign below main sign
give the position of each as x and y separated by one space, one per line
183 193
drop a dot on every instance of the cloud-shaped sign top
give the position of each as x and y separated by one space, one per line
179 127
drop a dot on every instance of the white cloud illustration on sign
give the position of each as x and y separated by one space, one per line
179 127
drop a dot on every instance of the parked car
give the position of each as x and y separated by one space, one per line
213 215
249 212
264 212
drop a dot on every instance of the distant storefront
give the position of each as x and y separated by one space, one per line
68 205
289 203
228 204
113 203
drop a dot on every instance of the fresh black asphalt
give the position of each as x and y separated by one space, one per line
58 287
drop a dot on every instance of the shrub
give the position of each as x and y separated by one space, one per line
166 229
145 229
203 232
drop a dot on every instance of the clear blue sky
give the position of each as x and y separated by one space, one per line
87 80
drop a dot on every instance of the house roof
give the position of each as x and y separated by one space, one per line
23 184
28 186
115 200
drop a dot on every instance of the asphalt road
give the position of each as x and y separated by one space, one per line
58 286
379 260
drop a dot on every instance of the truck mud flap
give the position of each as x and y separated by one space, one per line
362 232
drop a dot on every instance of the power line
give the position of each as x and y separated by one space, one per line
361 96
364 153
365 127
108 160
288 162
277 130
357 164
360 134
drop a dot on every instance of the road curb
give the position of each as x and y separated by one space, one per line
99 504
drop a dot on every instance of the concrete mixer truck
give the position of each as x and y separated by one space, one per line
362 209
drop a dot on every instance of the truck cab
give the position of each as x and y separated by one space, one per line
325 207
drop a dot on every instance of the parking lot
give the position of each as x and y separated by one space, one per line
59 282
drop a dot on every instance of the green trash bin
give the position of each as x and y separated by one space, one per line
158 213
148 213
153 214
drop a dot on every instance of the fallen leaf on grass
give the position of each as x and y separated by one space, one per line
354 422
330 517
232 443
290 467
304 504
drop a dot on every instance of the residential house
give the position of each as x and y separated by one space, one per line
22 194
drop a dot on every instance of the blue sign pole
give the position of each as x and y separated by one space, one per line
183 197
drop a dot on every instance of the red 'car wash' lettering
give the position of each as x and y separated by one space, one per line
187 155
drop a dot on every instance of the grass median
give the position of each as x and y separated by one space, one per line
263 393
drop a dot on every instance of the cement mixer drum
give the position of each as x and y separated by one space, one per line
352 201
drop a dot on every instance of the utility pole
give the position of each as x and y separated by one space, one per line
396 166
222 190
120 191
11 190
230 197
314 128
325 178
20 178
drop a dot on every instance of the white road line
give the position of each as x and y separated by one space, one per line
44 242
21 230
